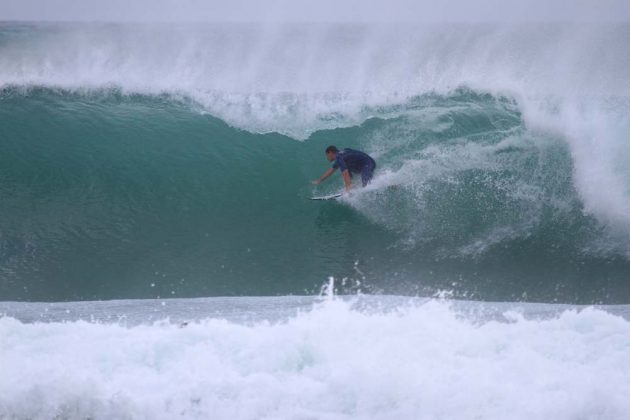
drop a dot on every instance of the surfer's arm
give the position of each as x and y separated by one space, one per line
326 175
347 179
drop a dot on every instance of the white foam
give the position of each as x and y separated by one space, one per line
411 198
297 78
416 362
596 130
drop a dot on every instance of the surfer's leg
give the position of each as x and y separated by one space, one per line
367 173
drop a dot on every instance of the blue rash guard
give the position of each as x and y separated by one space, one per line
355 162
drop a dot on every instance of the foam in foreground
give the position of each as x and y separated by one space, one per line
292 358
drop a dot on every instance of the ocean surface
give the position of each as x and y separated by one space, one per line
160 256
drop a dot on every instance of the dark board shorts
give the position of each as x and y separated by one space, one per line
367 173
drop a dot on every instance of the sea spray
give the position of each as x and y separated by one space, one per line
299 78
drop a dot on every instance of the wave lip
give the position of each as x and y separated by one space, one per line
265 78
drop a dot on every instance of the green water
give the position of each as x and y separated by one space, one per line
115 196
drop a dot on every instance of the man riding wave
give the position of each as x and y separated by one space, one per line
349 161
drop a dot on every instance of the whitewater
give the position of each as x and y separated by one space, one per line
302 358
160 256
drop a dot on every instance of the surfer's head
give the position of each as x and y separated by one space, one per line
331 153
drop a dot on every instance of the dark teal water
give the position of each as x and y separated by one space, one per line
109 195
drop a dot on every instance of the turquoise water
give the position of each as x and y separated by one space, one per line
117 196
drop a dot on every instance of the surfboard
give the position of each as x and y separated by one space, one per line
326 197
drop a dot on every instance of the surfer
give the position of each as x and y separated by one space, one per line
349 161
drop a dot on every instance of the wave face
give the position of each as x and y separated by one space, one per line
145 161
